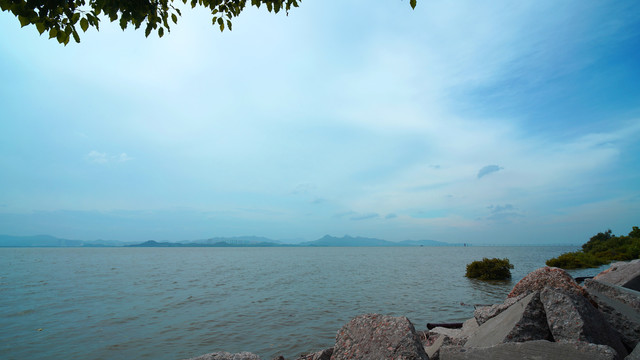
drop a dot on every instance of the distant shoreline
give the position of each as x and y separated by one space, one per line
48 241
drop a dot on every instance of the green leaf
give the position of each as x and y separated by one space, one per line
23 21
75 18
53 33
413 3
161 32
61 36
84 24
147 31
174 18
76 37
40 27
221 23
229 24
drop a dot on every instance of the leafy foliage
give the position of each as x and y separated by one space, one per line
489 269
601 249
61 18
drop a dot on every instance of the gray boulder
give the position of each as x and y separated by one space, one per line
635 354
571 317
227 356
320 355
484 313
523 321
625 274
374 336
532 350
546 277
620 306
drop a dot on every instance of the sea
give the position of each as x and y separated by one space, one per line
176 303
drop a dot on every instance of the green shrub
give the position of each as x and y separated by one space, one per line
489 269
601 249
576 260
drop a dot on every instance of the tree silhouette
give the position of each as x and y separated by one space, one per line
60 18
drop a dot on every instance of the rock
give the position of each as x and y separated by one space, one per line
624 295
484 313
571 317
433 350
532 350
439 337
320 355
374 336
635 354
625 274
452 333
546 277
468 328
227 356
620 307
523 321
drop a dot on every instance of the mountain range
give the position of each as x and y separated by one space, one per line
241 241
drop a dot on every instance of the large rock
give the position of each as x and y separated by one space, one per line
374 336
320 355
532 350
523 321
484 313
620 306
625 274
546 277
571 317
635 354
227 356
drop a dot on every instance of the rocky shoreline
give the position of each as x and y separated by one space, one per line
547 315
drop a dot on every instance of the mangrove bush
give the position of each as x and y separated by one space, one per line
489 269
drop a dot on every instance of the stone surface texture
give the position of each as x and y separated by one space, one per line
620 306
624 295
571 317
625 274
532 350
523 321
227 356
320 355
374 336
635 354
484 313
546 277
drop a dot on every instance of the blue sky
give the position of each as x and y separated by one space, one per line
498 122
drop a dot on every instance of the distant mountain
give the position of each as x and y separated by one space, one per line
347 240
240 241
224 243
52 241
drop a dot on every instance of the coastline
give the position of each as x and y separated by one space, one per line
547 313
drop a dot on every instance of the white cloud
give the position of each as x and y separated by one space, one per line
97 157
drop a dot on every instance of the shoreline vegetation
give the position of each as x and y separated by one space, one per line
601 249
489 269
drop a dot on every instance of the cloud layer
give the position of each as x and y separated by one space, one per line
494 122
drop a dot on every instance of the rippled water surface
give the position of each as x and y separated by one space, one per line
173 303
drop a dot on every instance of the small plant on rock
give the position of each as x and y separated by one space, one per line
490 269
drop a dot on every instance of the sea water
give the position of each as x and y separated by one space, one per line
174 303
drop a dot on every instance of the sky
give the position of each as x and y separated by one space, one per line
494 122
